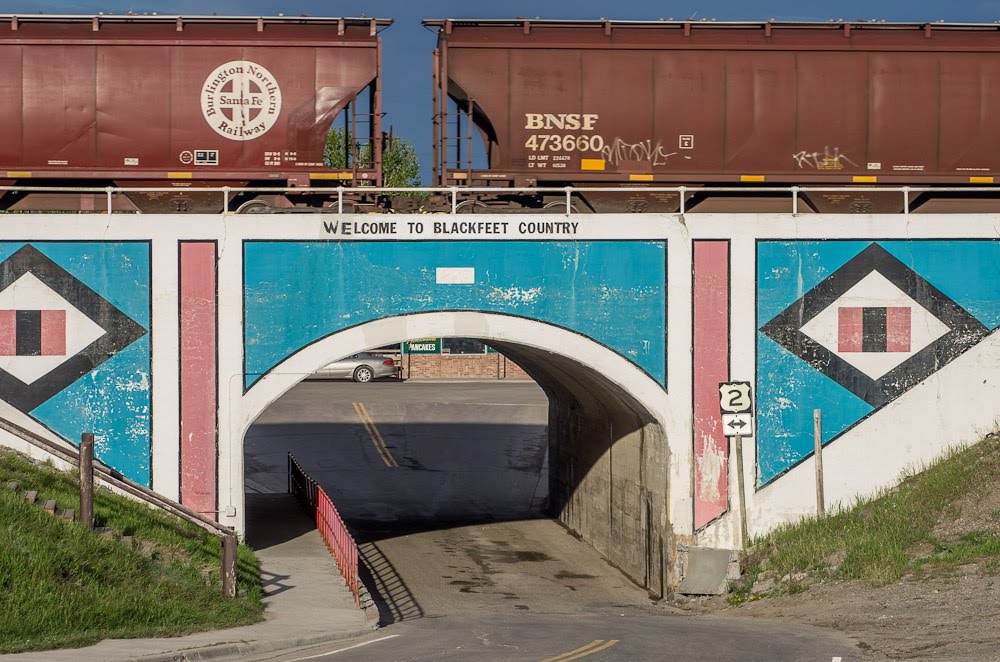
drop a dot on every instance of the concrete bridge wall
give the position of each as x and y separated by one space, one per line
168 335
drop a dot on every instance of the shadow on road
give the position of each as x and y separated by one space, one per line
387 589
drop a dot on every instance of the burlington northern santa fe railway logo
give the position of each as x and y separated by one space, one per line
241 100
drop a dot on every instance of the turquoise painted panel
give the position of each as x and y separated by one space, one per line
112 399
298 292
789 387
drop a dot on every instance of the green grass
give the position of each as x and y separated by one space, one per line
61 585
882 539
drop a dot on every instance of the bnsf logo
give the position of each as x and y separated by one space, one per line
584 121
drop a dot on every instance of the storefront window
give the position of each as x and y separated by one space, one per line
462 346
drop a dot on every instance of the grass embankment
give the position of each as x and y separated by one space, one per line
928 524
63 586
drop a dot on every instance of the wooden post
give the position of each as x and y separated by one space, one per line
87 480
818 441
229 565
739 482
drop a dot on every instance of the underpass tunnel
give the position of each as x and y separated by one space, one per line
426 464
608 465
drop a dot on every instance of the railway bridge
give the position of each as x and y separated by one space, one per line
167 335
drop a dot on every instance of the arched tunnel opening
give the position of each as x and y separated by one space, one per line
457 490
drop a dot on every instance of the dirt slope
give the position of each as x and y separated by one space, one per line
947 608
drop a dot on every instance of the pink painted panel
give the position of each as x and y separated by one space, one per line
53 332
897 329
850 331
711 366
199 397
8 332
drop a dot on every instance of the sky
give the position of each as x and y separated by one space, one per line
407 45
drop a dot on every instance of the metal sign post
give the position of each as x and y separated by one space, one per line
87 480
736 404
818 443
743 502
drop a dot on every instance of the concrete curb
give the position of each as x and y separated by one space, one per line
242 649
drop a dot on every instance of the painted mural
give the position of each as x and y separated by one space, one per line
847 326
296 293
74 343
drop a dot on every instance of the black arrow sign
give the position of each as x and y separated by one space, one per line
738 424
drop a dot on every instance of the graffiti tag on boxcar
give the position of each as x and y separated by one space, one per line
828 159
643 150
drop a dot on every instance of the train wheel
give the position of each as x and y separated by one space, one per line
469 207
560 206
255 207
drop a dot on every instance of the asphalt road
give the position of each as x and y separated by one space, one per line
409 452
445 485
622 636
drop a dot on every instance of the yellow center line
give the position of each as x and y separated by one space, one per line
379 435
378 449
377 441
608 644
595 646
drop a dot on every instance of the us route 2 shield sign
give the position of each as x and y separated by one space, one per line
734 397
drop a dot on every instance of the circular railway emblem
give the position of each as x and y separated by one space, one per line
241 100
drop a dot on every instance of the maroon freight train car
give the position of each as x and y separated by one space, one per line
185 102
712 103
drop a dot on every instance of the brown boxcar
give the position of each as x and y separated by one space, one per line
673 102
185 101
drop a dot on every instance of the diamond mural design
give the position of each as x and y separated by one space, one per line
875 327
53 329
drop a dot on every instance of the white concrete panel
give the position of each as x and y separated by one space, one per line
165 369
232 425
680 508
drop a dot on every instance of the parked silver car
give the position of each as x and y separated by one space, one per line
362 367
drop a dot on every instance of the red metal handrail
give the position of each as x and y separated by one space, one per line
331 525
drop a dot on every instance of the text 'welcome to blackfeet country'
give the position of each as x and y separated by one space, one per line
449 228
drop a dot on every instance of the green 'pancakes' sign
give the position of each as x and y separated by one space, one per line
423 346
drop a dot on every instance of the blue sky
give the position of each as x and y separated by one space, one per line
407 45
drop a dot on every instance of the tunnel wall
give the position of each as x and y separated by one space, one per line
608 462
884 323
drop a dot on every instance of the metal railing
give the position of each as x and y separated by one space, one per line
331 526
457 194
115 480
